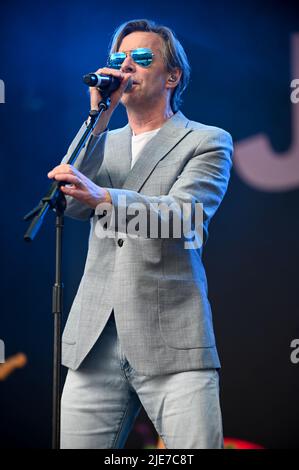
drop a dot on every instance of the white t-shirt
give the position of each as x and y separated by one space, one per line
139 141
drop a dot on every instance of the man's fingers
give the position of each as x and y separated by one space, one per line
70 191
63 168
108 71
68 178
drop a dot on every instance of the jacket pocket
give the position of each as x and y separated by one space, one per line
184 314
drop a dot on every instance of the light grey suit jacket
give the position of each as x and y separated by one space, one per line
156 287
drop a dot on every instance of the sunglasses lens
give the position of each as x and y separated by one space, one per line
116 59
142 56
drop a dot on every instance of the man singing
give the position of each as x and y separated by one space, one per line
140 329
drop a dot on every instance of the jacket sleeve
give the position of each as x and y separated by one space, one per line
201 185
88 162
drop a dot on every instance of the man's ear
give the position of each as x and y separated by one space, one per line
174 78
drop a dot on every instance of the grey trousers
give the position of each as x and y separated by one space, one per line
101 400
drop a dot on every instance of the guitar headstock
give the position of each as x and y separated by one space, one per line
14 362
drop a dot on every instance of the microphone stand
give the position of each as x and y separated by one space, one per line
55 200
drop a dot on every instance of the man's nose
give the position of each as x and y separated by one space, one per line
128 65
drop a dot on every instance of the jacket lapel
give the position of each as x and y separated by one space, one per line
118 158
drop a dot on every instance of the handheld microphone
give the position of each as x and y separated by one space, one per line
104 82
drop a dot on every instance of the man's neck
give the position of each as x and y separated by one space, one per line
144 121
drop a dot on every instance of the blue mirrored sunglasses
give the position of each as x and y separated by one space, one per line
141 56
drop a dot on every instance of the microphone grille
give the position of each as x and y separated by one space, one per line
89 79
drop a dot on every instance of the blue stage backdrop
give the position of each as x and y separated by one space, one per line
245 70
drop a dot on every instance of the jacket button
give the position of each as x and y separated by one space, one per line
120 242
